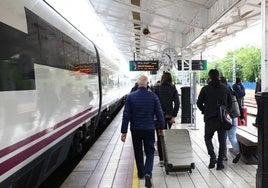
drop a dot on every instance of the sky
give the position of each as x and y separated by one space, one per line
250 36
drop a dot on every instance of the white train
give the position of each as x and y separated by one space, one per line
54 84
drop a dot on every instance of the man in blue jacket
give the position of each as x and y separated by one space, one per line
141 109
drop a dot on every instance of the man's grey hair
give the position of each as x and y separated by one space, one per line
142 81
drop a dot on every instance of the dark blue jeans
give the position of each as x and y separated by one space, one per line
144 138
211 126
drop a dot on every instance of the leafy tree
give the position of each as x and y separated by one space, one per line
248 64
249 59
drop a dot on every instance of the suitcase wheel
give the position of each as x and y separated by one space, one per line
167 172
193 165
168 168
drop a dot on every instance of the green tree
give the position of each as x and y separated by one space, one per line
249 60
248 64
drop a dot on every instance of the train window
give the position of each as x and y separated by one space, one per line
18 53
17 73
83 56
92 58
70 52
50 38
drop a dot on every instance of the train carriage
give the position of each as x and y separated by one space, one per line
54 84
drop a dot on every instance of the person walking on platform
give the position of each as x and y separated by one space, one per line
135 87
231 134
169 99
141 107
257 89
239 90
208 99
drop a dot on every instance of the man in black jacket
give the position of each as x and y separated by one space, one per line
209 98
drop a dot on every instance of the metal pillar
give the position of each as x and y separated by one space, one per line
262 102
234 70
262 122
193 95
264 49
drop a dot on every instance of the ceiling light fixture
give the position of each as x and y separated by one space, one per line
146 31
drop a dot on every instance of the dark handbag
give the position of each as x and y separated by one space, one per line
224 117
234 111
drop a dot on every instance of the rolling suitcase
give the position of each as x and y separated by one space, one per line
177 150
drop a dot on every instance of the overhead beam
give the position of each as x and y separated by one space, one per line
130 21
146 11
216 13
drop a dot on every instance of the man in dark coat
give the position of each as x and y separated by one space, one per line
141 107
209 98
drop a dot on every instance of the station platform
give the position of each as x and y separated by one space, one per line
110 163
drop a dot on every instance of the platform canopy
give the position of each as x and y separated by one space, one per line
147 27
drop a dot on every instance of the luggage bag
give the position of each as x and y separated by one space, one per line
177 150
245 111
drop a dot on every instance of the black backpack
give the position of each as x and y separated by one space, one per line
224 117
239 90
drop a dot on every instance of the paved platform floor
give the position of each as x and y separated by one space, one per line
110 163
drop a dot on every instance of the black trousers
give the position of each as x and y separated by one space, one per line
143 139
211 126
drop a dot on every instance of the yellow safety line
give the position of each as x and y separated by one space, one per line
135 181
